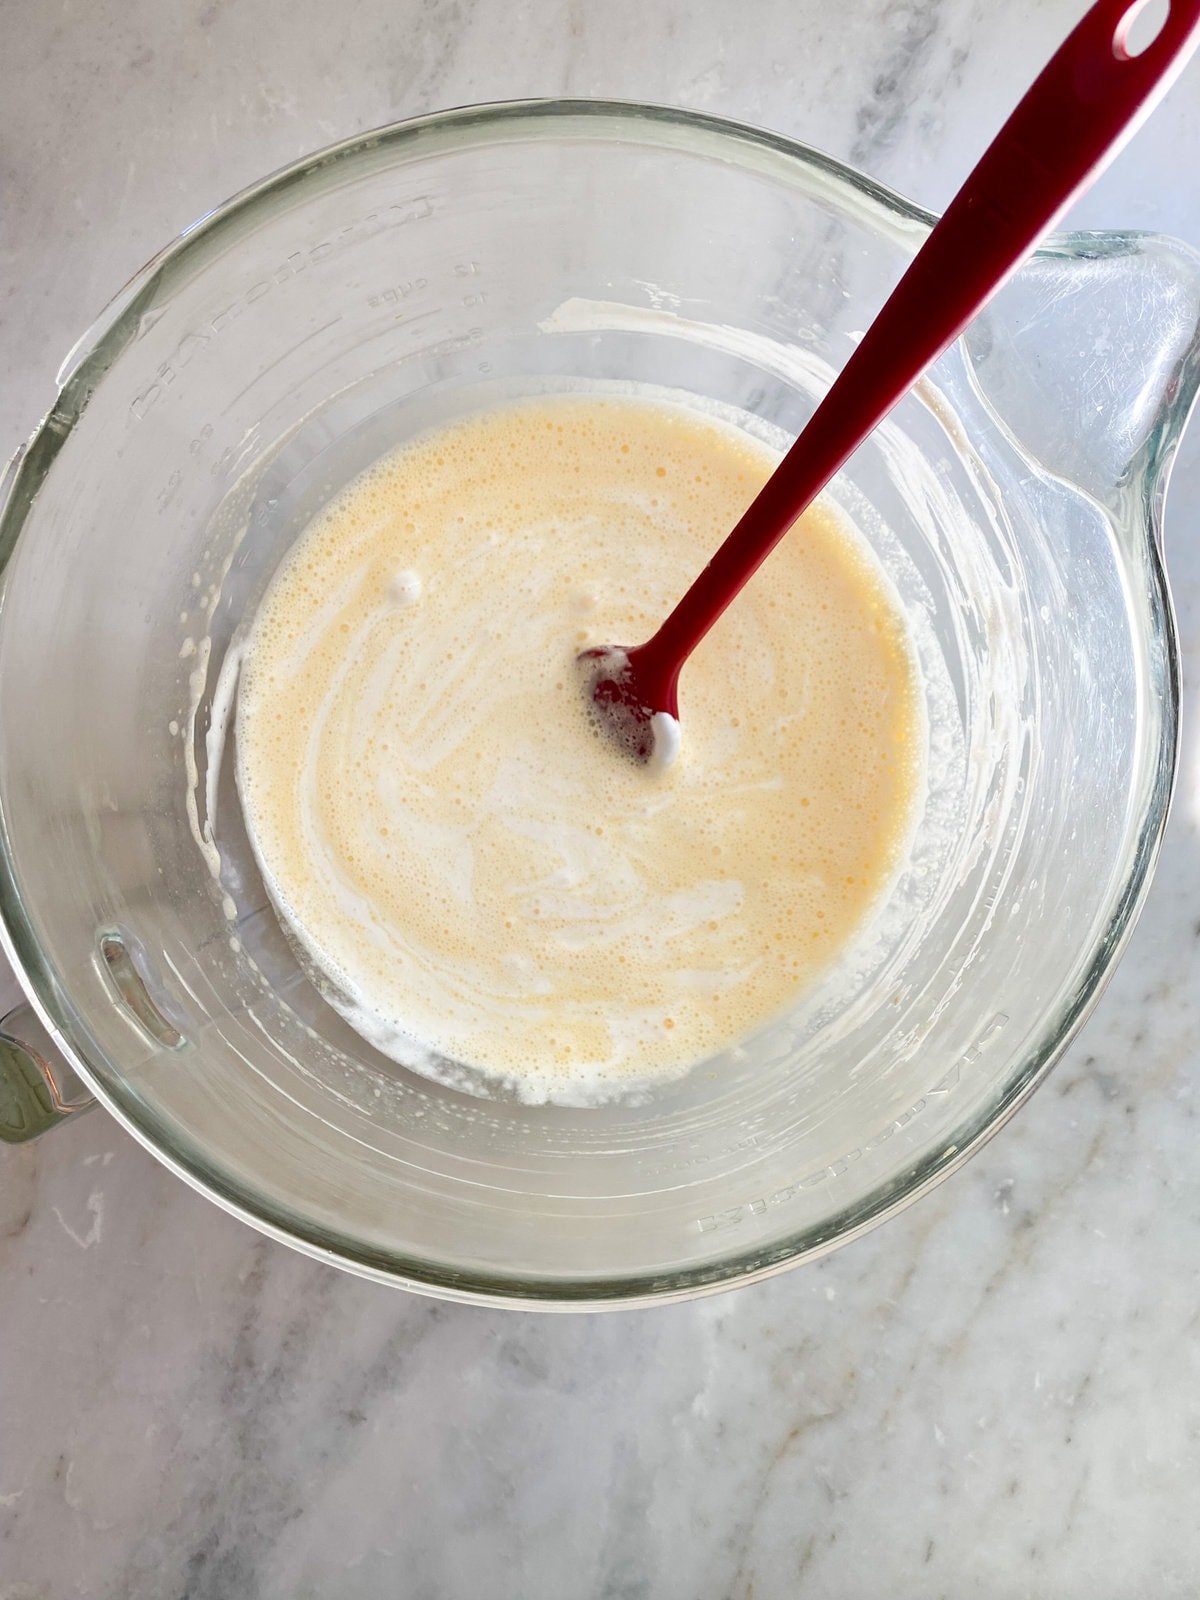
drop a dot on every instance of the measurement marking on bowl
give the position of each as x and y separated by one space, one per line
395 294
198 340
836 1168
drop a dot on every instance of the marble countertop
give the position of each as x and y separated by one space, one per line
996 1395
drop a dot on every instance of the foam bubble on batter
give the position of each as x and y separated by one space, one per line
405 588
481 877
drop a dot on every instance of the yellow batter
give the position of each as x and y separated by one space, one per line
478 874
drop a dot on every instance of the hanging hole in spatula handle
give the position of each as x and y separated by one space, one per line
1090 98
1122 53
1141 25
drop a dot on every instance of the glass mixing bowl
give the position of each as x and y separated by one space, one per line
403 278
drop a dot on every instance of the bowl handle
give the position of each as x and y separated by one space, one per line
38 1090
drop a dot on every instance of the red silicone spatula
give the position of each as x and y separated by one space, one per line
1086 103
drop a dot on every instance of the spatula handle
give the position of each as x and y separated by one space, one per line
1080 111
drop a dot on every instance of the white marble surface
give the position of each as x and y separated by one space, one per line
996 1395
